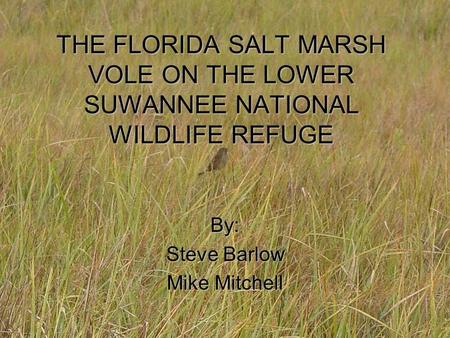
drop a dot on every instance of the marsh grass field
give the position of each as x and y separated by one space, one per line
85 224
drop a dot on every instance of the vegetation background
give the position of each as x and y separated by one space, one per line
84 225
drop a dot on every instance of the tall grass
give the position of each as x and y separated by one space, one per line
85 225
